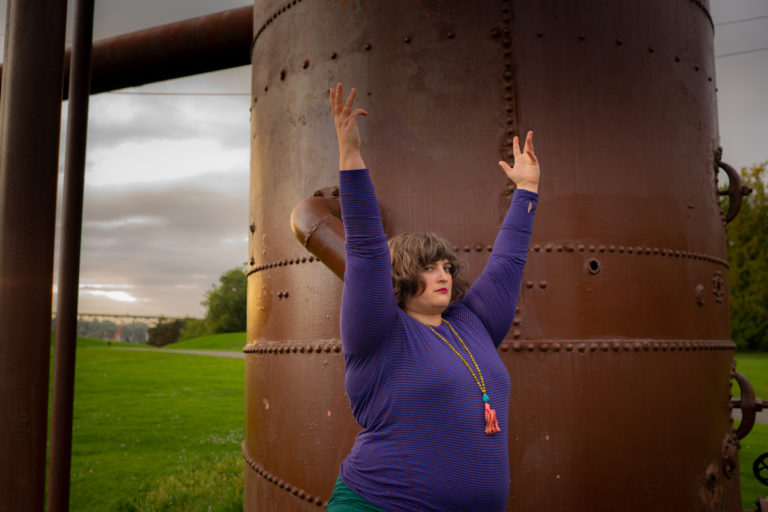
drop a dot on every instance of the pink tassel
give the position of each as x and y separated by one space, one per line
491 424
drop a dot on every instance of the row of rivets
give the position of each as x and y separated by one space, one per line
639 250
272 18
282 484
616 346
282 294
504 36
292 347
470 248
282 263
618 42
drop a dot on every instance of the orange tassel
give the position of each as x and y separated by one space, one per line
491 424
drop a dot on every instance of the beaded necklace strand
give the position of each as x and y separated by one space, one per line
491 423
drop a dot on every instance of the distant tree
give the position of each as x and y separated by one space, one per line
194 328
166 331
226 303
747 238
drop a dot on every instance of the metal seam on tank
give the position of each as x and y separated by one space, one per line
269 20
544 346
278 482
282 263
628 250
703 9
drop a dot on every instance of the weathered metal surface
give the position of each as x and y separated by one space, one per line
69 262
198 45
620 354
30 111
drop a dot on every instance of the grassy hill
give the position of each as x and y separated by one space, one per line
229 341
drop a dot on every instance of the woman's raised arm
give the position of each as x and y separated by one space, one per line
345 118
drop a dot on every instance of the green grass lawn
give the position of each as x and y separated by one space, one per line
230 341
156 431
755 368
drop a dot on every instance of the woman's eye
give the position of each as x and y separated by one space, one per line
428 268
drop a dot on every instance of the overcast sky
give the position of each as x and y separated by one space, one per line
166 200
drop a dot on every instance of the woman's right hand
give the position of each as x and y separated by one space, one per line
347 133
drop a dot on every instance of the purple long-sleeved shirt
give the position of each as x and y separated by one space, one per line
423 445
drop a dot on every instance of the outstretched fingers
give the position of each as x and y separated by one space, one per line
528 149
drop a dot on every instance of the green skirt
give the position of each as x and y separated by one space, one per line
345 499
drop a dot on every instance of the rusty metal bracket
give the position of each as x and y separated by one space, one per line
736 191
748 404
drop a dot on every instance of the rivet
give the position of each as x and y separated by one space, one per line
569 247
517 346
479 247
650 49
627 347
696 68
311 258
556 347
407 39
569 347
252 260
516 334
303 259
281 350
489 248
582 347
516 321
309 497
302 349
581 37
639 250
306 64
295 491
455 248
544 347
281 484
451 35
294 349
601 248
543 284
285 294
334 55
638 346
530 347
581 248
368 47
621 249
536 248
630 250
280 294
616 346
677 59
282 75
539 35
559 247
467 248
604 347
266 88
310 349
337 348
593 346
504 346
318 501
252 227
618 42
549 247
655 250
327 349
611 248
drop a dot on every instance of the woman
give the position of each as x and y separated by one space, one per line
424 379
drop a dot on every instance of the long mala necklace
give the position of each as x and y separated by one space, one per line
491 424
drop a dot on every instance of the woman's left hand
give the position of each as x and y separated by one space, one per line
525 173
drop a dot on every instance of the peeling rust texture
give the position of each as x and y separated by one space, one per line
625 292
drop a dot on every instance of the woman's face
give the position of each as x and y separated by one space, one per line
435 293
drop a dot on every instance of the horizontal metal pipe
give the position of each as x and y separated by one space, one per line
197 45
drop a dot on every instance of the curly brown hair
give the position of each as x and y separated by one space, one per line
411 252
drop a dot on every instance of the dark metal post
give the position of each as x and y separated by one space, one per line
30 116
69 260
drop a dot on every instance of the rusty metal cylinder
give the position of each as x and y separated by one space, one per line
619 356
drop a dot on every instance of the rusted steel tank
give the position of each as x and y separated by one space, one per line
620 356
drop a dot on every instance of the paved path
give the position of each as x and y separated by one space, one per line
215 353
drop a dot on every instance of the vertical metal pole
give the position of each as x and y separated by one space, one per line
69 260
30 117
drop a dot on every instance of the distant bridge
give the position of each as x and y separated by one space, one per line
150 320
